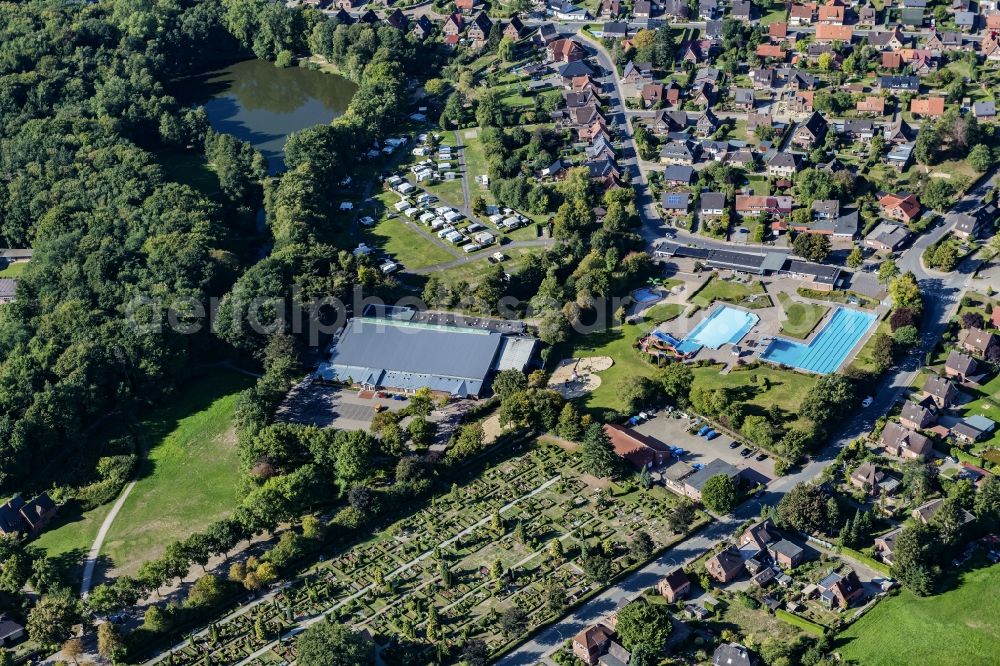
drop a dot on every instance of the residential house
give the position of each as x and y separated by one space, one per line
758 120
546 34
904 443
902 207
514 29
802 101
841 591
369 17
972 428
941 390
867 16
755 539
886 543
18 517
873 481
786 554
674 586
348 4
892 39
423 27
859 130
642 9
610 9
743 99
397 19
565 50
706 123
826 32
637 74
961 367
770 52
725 565
635 448
741 10
555 171
465 6
678 175
825 209
899 155
777 32
695 482
708 10
904 83
675 204
652 94
832 13
669 121
985 110
931 107
872 104
10 631
454 25
913 17
712 204
966 226
702 94
804 14
897 132
918 415
811 132
591 643
782 165
678 152
886 237
479 29
732 654
980 343
926 511
763 78
614 30
756 205
796 79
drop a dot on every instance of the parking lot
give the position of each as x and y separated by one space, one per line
673 432
328 406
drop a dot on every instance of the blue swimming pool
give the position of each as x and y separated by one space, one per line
828 349
646 295
724 326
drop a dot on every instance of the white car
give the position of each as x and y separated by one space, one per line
867 402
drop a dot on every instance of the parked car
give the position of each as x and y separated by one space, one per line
734 445
711 434
761 456
745 452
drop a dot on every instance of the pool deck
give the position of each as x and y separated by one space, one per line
819 329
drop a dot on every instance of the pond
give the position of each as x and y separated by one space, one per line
255 101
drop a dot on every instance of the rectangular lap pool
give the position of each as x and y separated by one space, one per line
724 326
828 349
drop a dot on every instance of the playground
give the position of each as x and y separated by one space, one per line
576 377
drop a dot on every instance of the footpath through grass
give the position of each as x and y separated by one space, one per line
189 478
961 626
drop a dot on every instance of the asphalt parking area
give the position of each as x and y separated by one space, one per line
327 406
673 432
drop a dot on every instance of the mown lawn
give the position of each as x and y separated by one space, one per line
475 164
69 537
405 244
961 626
750 295
773 386
663 312
800 318
13 270
864 359
190 476
616 343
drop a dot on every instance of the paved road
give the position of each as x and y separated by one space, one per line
941 294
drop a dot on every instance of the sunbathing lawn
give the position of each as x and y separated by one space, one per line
961 626
401 240
737 293
190 476
663 312
987 403
800 318
785 388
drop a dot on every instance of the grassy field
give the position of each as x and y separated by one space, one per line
716 289
864 359
616 343
475 164
800 622
189 169
961 626
405 244
774 386
13 270
800 318
189 478
472 270
663 312
69 537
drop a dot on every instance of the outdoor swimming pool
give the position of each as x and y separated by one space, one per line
724 326
827 351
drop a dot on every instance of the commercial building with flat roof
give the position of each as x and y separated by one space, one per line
380 353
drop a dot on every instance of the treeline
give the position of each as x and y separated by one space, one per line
82 108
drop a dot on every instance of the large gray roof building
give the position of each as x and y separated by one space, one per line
405 355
